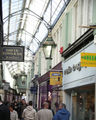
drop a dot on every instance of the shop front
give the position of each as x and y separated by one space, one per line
43 88
57 97
79 84
46 90
83 103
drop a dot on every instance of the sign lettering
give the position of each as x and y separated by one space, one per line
88 59
73 68
12 53
55 78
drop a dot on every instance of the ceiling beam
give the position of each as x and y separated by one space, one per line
9 20
22 14
12 33
41 19
15 32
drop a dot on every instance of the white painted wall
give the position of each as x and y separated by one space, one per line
57 33
81 16
82 77
43 62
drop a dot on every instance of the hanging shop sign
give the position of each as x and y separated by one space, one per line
55 78
12 53
88 59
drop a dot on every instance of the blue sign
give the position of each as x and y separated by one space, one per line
56 74
33 89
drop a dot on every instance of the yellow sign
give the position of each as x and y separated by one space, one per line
88 59
55 78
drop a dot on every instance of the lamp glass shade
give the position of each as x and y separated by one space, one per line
48 45
47 51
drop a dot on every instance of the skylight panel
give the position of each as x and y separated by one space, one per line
31 24
39 4
20 34
26 40
16 5
5 4
40 35
23 20
27 3
5 28
13 26
33 47
11 39
47 15
55 14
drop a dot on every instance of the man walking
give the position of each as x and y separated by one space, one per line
45 113
62 113
4 111
29 112
13 113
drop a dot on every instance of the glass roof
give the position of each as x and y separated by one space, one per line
26 23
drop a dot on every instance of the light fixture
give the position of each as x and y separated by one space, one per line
23 78
49 43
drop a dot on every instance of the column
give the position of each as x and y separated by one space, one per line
0 74
94 12
38 96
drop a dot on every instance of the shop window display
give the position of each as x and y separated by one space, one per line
83 107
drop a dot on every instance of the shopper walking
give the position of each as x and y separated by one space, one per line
21 105
29 112
13 113
4 111
62 113
45 113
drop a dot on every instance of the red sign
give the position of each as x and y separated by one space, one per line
61 50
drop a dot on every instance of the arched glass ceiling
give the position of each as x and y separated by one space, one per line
26 23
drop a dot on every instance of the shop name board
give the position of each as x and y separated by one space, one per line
73 68
55 78
12 53
88 59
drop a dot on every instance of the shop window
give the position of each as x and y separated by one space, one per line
83 107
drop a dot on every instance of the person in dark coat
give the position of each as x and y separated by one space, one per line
4 111
62 113
56 106
20 107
